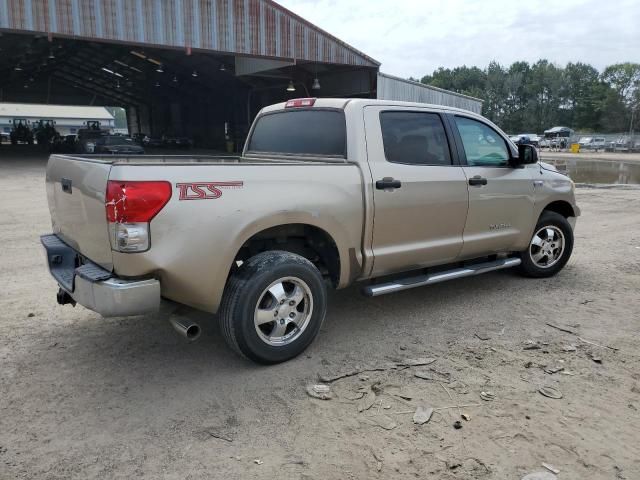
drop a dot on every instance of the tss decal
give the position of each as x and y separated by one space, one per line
204 190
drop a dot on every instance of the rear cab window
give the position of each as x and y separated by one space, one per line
313 131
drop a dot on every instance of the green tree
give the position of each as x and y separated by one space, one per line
624 78
495 93
582 95
534 97
517 78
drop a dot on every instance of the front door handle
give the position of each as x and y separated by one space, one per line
388 183
477 180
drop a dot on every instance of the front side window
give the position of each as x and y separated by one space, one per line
483 146
415 138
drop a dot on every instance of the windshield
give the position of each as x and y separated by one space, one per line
302 132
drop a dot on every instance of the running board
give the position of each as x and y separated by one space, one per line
428 279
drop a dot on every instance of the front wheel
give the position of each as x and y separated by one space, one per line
273 307
550 247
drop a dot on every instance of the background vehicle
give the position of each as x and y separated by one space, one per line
21 132
88 136
592 143
532 138
45 132
328 192
117 144
176 142
66 144
623 143
139 138
152 142
559 137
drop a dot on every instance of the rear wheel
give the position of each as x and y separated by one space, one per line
550 247
273 307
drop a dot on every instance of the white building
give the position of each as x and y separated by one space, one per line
69 118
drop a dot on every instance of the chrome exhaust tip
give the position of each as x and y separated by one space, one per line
185 327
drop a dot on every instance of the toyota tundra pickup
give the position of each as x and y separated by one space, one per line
327 193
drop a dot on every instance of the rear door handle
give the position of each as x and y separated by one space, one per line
477 180
388 183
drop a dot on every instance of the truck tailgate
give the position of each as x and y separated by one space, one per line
75 191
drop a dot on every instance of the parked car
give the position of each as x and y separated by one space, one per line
89 135
592 143
117 145
328 192
624 144
176 142
558 137
527 138
139 138
152 142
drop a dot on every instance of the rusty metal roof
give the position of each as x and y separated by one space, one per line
259 28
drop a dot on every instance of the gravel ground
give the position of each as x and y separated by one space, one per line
85 397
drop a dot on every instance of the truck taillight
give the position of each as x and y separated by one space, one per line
300 102
130 206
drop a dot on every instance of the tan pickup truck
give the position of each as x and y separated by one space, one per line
327 192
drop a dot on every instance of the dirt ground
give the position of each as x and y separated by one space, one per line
85 397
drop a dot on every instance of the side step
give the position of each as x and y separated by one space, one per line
428 279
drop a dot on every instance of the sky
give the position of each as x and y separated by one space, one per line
412 38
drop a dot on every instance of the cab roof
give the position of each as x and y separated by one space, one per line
348 103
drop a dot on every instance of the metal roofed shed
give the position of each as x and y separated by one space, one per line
395 88
199 69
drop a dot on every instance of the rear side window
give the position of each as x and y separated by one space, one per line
302 132
416 138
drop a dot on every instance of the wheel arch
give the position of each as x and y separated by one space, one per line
561 207
304 235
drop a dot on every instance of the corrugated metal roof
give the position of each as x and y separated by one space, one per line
395 88
30 110
250 27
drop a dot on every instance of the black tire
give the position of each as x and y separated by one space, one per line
548 219
246 288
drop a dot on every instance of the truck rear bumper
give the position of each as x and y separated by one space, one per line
95 288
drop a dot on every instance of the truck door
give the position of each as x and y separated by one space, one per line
419 191
501 198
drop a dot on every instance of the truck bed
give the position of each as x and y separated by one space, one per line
193 243
194 159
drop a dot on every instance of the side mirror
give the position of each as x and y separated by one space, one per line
527 154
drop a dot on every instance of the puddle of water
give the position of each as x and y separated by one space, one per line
599 171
